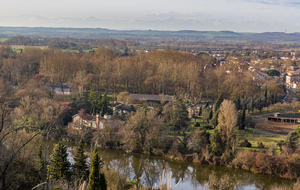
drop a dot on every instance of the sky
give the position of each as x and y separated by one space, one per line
216 15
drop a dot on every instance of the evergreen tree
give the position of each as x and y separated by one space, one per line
218 103
243 119
94 178
206 105
216 143
80 167
179 115
291 140
40 160
237 102
95 100
80 101
252 104
214 120
59 167
200 111
275 97
210 115
103 184
266 94
105 105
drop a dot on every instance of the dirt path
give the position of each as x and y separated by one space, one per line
273 127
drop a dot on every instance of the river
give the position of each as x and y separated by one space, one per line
192 175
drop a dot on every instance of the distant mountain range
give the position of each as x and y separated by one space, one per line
182 35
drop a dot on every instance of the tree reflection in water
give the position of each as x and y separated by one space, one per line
193 176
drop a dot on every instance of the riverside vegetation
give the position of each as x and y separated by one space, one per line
31 112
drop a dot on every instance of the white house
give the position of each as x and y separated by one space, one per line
92 121
57 88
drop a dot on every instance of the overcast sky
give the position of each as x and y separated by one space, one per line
235 15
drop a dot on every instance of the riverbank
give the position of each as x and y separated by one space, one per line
193 175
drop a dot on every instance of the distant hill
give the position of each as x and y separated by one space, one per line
182 35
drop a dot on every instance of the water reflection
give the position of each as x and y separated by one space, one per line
192 176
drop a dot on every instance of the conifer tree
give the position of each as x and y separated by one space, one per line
103 184
179 116
59 167
206 105
243 119
237 102
218 103
210 115
214 120
40 160
94 177
105 105
80 167
95 100
266 94
200 111
41 165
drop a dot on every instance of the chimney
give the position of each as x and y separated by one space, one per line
97 120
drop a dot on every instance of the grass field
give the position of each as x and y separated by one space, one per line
17 48
3 39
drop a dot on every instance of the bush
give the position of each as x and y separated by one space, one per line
297 130
245 143
245 160
207 127
266 163
260 145
196 124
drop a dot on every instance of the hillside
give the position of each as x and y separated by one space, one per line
183 35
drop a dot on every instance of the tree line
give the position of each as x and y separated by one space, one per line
157 72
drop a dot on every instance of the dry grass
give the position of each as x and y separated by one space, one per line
295 186
273 127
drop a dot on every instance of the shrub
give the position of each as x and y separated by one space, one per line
297 130
266 163
260 145
245 160
196 124
295 186
245 143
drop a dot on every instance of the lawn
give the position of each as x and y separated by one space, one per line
254 136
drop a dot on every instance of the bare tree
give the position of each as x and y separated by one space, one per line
227 126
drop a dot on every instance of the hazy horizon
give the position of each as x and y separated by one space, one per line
215 15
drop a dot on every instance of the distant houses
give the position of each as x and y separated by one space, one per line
59 88
83 119
293 78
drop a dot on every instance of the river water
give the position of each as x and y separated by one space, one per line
191 175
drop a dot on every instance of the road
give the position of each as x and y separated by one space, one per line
290 97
